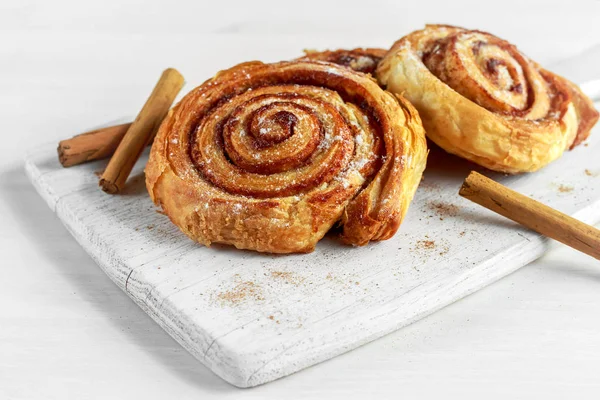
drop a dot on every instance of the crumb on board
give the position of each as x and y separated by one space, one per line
590 173
564 188
272 318
462 233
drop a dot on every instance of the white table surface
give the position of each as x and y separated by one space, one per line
66 331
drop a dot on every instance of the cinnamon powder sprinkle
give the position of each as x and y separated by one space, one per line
443 209
426 244
426 247
428 185
345 282
287 277
242 291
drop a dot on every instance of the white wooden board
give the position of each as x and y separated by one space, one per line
252 318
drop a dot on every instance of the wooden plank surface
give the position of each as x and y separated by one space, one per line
252 318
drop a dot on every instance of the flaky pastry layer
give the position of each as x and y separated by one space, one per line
360 59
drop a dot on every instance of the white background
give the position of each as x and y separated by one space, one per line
66 331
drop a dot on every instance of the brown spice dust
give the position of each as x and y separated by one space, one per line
426 244
242 291
287 277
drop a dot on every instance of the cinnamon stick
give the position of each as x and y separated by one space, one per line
94 145
141 131
532 214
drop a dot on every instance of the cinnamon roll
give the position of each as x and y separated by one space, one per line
269 157
481 99
362 59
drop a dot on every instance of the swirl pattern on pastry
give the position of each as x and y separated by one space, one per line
482 99
269 157
361 59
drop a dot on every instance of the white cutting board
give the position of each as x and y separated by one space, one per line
252 318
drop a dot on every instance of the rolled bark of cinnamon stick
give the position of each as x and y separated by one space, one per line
94 145
141 131
532 214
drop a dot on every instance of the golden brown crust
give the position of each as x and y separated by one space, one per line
481 99
269 157
361 59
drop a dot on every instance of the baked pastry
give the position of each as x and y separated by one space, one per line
361 59
269 157
483 100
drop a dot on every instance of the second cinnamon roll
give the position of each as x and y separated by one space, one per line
482 99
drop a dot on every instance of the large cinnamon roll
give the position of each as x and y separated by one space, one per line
481 99
269 157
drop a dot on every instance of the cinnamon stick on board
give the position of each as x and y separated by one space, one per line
142 131
532 214
89 146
